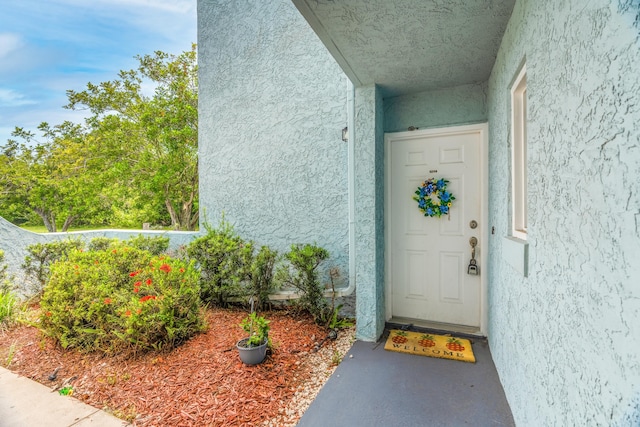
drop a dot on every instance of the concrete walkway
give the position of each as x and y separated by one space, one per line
375 387
26 403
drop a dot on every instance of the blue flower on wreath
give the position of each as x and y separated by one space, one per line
430 188
433 198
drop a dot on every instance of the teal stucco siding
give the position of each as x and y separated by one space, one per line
273 103
565 338
458 105
369 213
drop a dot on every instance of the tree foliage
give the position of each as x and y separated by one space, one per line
134 159
56 177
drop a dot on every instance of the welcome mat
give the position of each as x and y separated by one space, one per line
431 345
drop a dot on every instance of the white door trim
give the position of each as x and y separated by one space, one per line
483 226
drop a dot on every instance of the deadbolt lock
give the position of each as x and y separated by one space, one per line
473 224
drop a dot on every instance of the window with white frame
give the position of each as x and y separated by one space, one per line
519 155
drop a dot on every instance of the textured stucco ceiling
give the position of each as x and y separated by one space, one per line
410 45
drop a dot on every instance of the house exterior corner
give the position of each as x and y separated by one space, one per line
563 330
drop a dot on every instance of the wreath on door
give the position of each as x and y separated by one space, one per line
433 198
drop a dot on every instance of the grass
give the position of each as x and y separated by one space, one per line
336 358
8 304
43 229
35 228
12 352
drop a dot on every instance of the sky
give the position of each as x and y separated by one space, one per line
50 46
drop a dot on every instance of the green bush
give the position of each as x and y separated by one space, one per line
301 273
121 299
224 260
5 283
261 283
42 255
155 244
8 302
102 243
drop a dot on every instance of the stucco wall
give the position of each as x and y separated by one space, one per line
443 107
369 213
272 107
565 340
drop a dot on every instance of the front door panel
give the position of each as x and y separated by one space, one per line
428 256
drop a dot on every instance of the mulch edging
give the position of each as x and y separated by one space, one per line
200 383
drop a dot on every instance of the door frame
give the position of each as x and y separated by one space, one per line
483 227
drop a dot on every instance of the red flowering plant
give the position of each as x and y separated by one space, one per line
121 298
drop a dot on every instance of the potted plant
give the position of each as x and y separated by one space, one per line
253 349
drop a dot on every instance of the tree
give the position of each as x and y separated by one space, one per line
54 177
152 139
134 160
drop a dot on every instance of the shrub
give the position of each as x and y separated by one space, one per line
7 300
224 260
121 299
155 244
102 243
42 255
301 273
5 283
261 283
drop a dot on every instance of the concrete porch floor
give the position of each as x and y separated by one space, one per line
374 387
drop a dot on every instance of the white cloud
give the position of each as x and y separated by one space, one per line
174 6
11 98
9 42
68 43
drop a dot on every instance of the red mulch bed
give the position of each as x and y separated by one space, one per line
200 383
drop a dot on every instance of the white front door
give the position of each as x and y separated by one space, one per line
428 257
